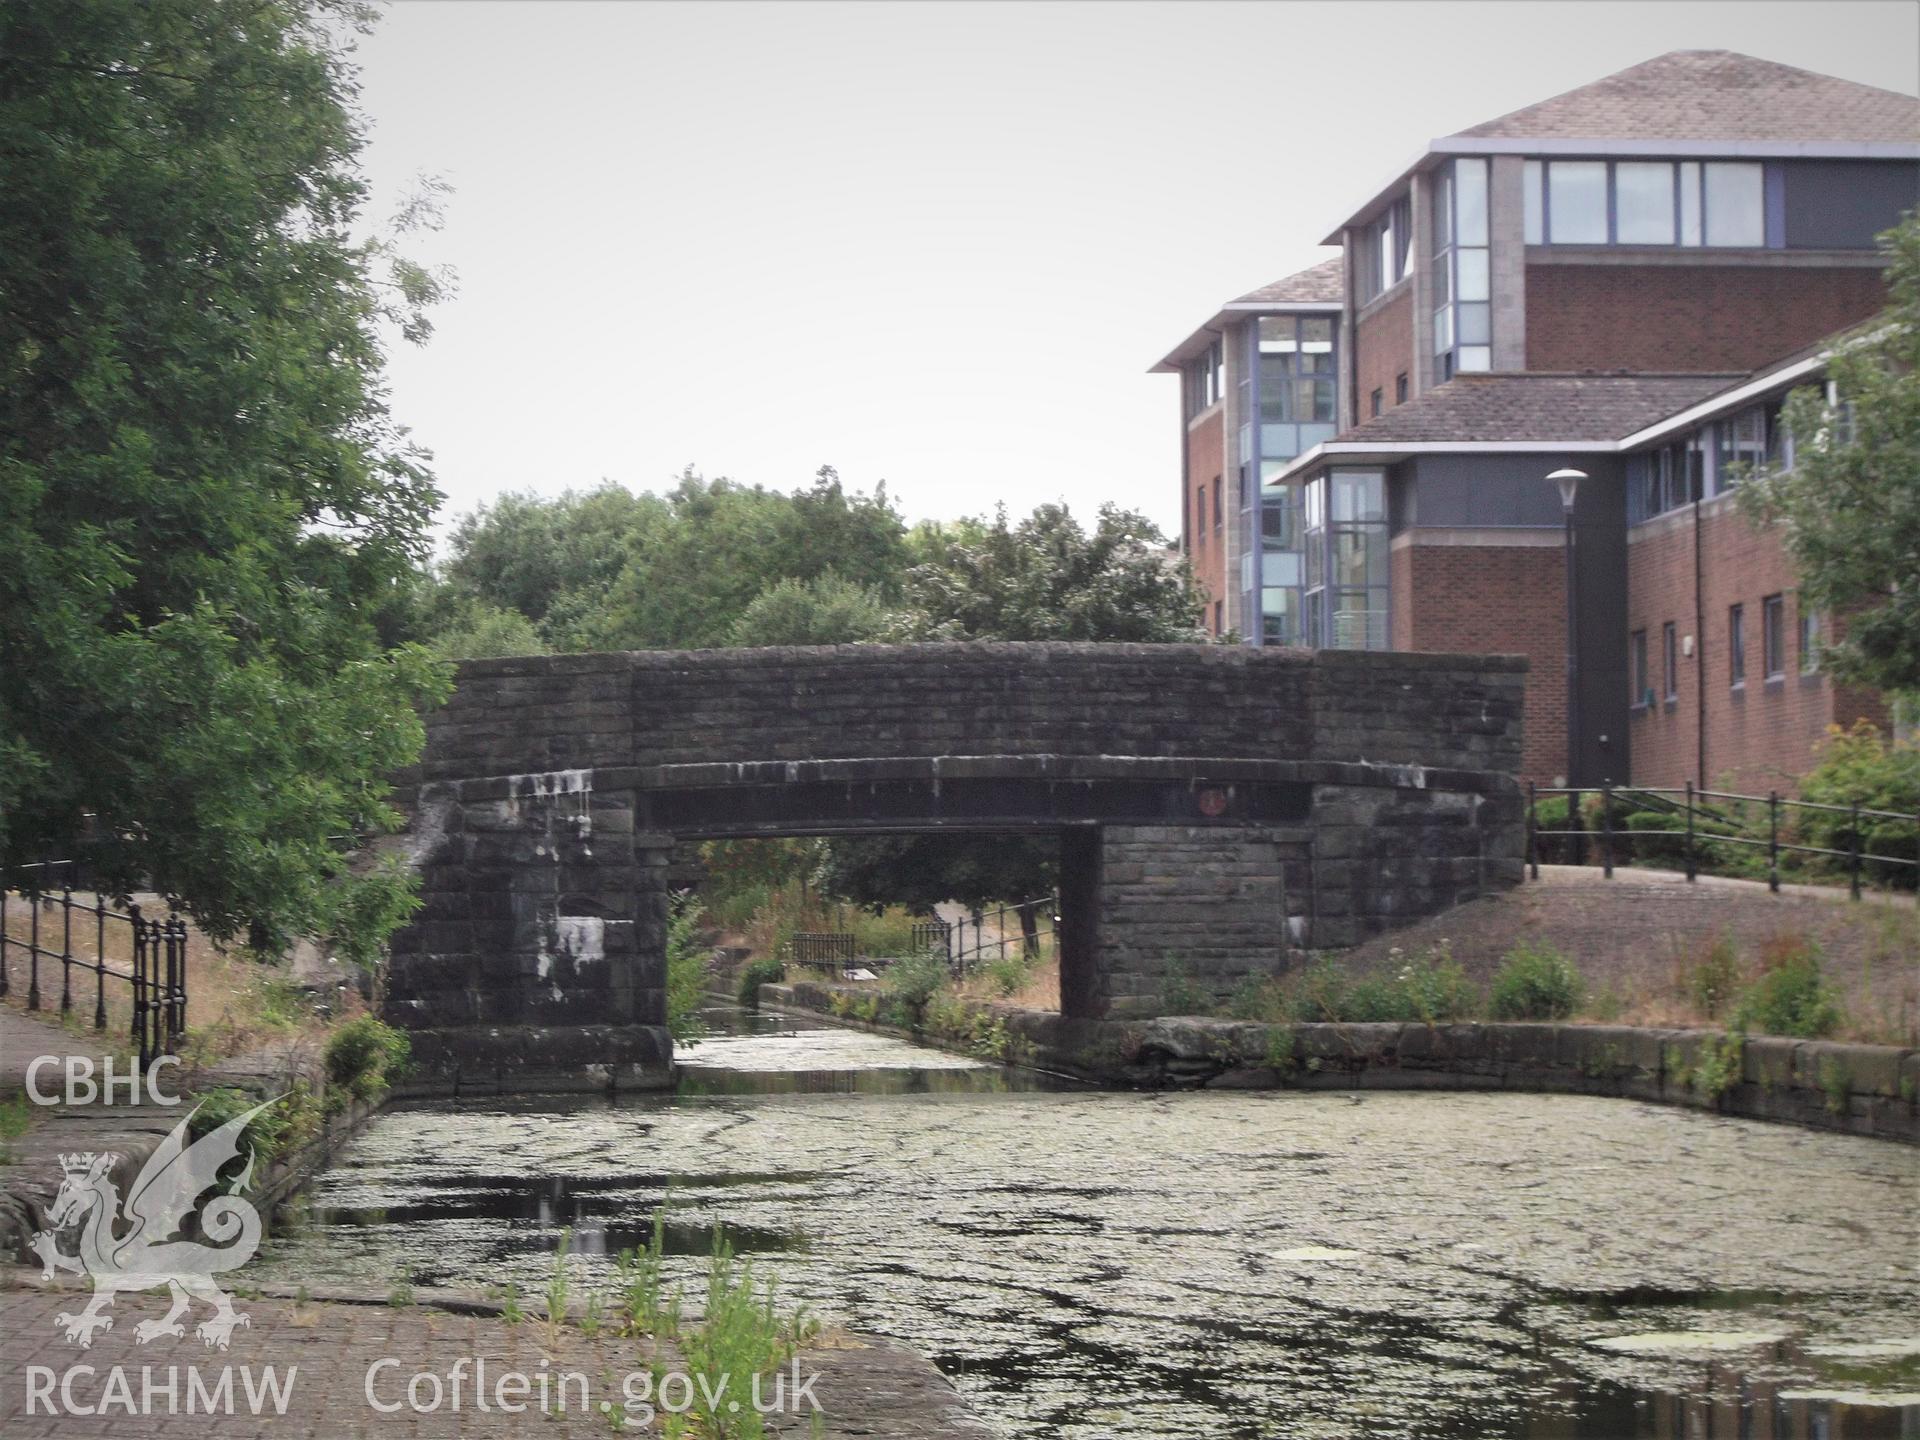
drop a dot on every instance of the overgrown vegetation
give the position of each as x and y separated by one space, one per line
364 1056
762 970
687 959
1534 982
1792 995
16 1114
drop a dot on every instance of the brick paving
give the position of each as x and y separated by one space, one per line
326 1347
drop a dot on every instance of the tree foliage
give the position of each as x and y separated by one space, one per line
825 610
203 503
1849 507
1046 577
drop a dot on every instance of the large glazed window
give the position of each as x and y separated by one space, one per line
1345 549
1645 202
1460 274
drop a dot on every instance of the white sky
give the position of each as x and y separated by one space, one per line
935 244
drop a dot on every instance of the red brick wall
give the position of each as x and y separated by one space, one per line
1382 351
1499 599
1206 466
1761 737
1687 317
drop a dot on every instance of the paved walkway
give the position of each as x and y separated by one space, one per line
322 1351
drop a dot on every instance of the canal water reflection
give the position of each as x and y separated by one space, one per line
1092 1264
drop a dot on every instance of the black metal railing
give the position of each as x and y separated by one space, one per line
822 950
1043 910
933 936
156 950
1703 820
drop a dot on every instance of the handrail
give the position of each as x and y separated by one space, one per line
1856 855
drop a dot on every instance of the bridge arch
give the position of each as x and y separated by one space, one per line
1218 807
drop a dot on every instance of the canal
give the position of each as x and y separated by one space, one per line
1148 1266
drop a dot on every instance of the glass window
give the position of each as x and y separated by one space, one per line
1577 201
1773 635
1475 324
1470 202
1642 691
1737 644
1809 639
1359 560
1375 400
1689 202
1360 620
1217 506
1358 496
1280 617
1443 210
1473 275
1670 661
1278 335
1280 567
1735 205
1400 389
1276 522
1475 358
1643 203
1743 444
1532 178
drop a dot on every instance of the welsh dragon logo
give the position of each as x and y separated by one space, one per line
142 1247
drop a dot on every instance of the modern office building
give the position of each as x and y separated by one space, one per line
1624 281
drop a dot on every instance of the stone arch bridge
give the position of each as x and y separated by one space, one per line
1216 807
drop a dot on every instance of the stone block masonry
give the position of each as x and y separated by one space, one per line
1217 807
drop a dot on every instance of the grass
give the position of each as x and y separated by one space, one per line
15 1116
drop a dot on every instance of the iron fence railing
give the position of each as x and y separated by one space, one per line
1044 910
156 950
822 950
1702 820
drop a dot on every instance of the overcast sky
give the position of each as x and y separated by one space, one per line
934 244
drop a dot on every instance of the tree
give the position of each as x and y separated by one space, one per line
552 560
204 506
920 871
687 580
823 611
1047 578
1849 506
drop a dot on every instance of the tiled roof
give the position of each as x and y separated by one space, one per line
1316 285
1525 407
1708 95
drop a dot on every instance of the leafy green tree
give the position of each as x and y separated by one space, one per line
920 871
1048 578
687 581
204 506
825 610
1849 508
475 630
552 560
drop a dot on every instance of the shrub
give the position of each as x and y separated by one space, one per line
1535 982
1429 988
1178 993
364 1055
686 967
1711 982
1792 996
1859 767
766 970
1009 972
915 980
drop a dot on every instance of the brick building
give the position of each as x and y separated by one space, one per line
1625 280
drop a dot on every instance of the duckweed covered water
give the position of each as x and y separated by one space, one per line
1223 1264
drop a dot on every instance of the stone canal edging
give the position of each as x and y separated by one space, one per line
1869 1090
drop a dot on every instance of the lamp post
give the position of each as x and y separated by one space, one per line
1568 482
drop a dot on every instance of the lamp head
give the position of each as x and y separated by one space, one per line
1569 483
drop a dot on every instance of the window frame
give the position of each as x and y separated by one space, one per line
1808 637
1773 637
1670 662
1641 697
1692 214
1737 647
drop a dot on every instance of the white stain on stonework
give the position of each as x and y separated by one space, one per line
567 797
